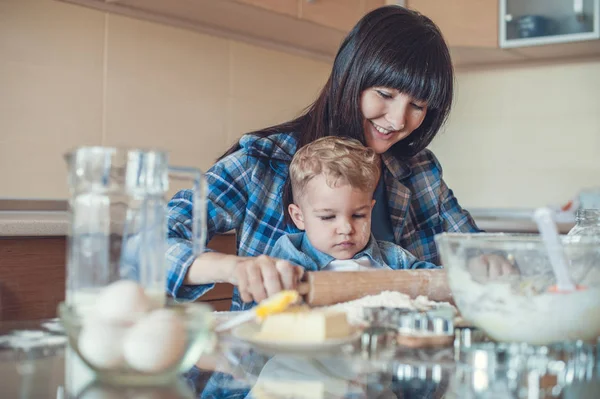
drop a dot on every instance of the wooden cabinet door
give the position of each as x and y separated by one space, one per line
288 7
464 23
370 5
337 14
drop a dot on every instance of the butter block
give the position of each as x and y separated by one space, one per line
313 326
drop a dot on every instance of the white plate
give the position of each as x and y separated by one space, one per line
247 333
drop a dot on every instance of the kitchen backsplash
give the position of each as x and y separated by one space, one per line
71 76
517 136
523 136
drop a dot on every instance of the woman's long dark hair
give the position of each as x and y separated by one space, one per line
389 47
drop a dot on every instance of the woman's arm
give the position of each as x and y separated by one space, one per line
226 203
190 277
454 217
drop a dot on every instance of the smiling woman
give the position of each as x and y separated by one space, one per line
390 116
391 89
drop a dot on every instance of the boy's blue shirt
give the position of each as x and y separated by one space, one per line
297 248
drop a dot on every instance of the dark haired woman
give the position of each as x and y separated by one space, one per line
391 88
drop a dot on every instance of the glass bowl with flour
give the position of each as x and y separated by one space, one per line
504 284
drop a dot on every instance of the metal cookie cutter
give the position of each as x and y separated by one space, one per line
380 335
376 340
422 329
533 371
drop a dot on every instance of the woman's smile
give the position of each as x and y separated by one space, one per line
389 116
381 129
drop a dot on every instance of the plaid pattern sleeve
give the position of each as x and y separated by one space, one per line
423 206
456 219
244 194
226 204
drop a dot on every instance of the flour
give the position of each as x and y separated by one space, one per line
390 299
354 309
526 315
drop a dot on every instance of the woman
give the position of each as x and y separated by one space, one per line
391 88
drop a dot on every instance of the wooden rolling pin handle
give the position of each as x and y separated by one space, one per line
329 287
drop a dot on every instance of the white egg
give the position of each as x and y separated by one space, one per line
101 344
121 301
156 342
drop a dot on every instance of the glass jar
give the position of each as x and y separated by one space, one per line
587 223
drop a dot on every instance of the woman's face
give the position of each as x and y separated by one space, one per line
389 116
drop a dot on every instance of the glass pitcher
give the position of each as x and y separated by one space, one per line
118 220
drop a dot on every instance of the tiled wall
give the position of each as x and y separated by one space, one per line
71 76
518 136
523 136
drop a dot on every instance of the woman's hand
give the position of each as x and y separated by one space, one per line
258 278
485 268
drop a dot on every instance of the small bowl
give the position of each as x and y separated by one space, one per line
130 353
521 306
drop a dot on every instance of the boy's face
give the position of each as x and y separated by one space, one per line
337 220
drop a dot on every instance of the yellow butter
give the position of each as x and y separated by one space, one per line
314 326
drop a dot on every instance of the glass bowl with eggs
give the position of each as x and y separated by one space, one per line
505 285
126 338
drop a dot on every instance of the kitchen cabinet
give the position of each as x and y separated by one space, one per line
32 276
488 32
308 27
287 7
537 22
337 14
478 32
464 23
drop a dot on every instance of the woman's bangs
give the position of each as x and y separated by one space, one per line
415 74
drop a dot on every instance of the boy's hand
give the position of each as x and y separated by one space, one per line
258 278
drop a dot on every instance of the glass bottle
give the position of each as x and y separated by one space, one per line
587 223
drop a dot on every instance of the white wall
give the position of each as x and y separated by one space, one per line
523 136
73 76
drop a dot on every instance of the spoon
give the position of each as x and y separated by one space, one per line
545 223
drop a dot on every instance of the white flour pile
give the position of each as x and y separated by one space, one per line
390 299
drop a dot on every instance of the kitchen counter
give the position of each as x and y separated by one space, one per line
519 220
33 223
50 218
35 362
37 218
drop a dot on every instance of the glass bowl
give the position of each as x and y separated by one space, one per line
149 349
504 284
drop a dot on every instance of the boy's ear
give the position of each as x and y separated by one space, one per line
296 215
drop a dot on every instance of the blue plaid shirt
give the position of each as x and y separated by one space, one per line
245 194
298 249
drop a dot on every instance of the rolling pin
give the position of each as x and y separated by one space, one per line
330 287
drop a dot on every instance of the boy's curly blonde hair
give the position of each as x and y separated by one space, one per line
341 160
